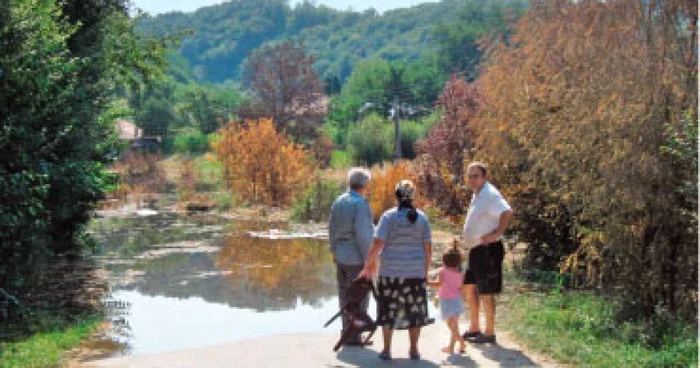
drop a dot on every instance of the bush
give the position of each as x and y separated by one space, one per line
604 173
142 172
60 71
340 159
186 183
190 141
382 187
371 141
322 149
261 164
210 172
447 147
315 204
411 132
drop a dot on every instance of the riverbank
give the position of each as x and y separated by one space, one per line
62 310
49 345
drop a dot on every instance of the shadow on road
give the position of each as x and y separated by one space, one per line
495 355
505 357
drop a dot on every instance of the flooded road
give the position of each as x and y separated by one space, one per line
181 281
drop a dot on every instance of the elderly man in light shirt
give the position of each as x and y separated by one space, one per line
487 219
350 233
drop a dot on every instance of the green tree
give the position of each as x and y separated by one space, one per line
458 40
207 107
154 108
59 68
371 141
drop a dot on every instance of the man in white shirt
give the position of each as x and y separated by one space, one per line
487 218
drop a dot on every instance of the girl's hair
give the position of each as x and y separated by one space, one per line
404 195
452 258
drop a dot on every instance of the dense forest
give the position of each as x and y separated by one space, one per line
220 37
366 63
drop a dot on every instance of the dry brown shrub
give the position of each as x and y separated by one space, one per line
262 165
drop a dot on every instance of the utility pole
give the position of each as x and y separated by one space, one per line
397 131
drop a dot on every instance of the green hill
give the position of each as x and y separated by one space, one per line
223 35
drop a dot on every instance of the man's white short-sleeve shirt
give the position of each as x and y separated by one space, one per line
484 214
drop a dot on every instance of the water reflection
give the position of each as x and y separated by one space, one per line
282 269
159 324
192 281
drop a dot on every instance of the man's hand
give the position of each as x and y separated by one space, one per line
489 238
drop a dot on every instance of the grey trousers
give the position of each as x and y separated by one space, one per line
347 274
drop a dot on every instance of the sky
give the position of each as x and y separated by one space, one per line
164 6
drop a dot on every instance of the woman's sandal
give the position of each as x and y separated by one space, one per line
384 356
414 355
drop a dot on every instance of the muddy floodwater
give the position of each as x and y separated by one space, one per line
182 281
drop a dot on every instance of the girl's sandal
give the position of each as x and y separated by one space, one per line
414 355
384 356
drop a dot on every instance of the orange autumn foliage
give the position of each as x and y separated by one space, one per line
260 164
380 192
577 108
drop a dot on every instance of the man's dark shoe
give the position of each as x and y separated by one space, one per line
468 335
483 339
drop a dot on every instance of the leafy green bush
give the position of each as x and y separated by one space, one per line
57 131
371 141
411 132
340 159
190 141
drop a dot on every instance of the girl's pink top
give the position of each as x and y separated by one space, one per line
451 285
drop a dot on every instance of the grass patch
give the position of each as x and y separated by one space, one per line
582 328
211 172
340 159
46 347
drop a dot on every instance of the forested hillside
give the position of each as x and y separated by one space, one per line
220 37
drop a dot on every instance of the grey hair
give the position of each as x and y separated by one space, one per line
480 165
358 178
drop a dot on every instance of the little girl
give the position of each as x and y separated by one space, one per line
449 282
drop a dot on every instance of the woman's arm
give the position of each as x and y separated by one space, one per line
437 282
370 269
428 257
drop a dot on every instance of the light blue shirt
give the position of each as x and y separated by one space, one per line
350 228
403 254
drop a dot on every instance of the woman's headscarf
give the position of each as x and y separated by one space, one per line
404 195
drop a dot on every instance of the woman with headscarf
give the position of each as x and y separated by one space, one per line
400 257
